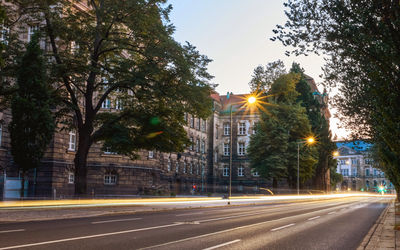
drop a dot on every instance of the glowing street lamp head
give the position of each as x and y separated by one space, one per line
251 99
310 140
335 153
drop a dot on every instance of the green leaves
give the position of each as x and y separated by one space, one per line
273 149
32 125
362 47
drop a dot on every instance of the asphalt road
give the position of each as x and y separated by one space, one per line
326 224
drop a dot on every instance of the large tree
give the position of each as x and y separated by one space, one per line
263 77
314 103
32 123
273 148
361 42
120 56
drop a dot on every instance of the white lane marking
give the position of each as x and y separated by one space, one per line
110 221
313 218
11 231
225 231
221 245
334 212
89 236
282 227
188 214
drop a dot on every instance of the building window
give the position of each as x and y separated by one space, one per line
345 172
198 123
191 168
71 178
31 31
185 117
118 104
108 151
354 161
169 165
151 154
375 172
184 167
191 121
110 179
226 149
342 162
4 31
255 172
177 167
241 171
225 170
203 168
203 125
367 172
216 131
254 128
106 104
242 128
197 168
227 129
197 145
191 143
242 148
216 157
203 146
72 141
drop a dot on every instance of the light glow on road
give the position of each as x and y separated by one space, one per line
171 201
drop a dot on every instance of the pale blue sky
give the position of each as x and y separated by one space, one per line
236 34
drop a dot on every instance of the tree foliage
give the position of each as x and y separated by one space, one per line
32 125
263 77
121 52
319 127
360 40
273 149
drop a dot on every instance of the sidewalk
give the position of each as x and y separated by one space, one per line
383 235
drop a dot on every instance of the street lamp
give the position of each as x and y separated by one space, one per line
249 101
310 140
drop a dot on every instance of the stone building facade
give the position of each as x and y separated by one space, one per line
203 167
359 171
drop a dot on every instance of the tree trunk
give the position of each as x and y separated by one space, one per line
274 185
80 162
22 193
397 188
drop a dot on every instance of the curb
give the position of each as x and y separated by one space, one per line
371 240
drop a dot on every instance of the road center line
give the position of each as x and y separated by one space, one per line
313 218
89 236
333 212
110 221
11 231
282 227
221 245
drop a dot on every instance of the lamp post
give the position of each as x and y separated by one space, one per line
309 140
249 100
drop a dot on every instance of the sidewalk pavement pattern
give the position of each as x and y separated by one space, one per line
383 235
